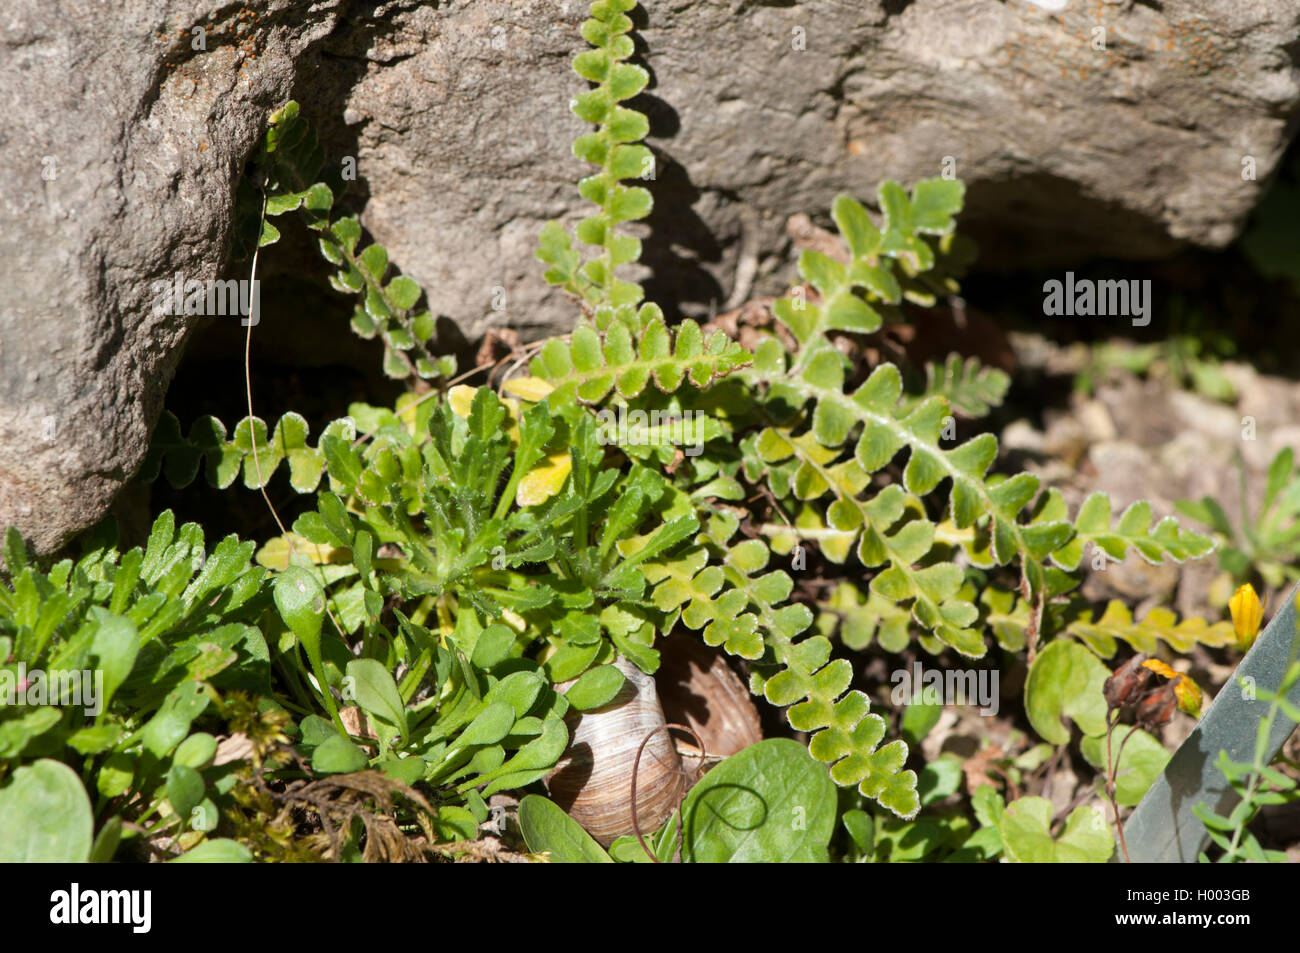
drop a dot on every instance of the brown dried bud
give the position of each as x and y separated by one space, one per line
1158 707
1125 687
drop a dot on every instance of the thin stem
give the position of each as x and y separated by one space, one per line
1112 769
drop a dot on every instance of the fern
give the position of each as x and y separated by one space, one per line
969 388
857 618
290 161
616 150
1159 625
179 457
508 513
589 368
804 433
1166 541
885 264
830 441
1009 619
743 613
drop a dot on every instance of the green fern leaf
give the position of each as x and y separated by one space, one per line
1159 625
590 367
969 388
178 458
743 612
616 150
1166 541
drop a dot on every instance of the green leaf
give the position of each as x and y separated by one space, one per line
45 816
1140 763
218 851
1065 681
769 803
184 789
169 726
597 687
1025 828
114 645
337 755
595 282
196 751
107 841
491 725
376 692
300 600
548 830
17 733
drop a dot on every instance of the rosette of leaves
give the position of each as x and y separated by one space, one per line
106 665
466 713
495 545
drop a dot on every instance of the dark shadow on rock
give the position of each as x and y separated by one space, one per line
1010 220
679 244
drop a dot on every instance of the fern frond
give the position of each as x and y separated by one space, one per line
857 618
589 368
615 148
1166 541
1159 625
883 534
178 457
1009 617
968 386
743 612
884 261
291 160
872 408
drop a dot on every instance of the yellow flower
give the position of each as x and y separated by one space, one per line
1247 614
1188 693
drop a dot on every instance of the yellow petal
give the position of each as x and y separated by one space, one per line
532 389
407 406
275 554
545 480
459 399
512 411
1160 668
1247 614
1187 692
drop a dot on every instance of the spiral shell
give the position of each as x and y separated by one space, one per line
698 689
593 780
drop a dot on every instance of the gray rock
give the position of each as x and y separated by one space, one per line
457 116
120 145
763 110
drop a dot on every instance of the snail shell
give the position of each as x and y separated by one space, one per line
592 782
698 689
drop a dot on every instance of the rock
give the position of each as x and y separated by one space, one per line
122 143
457 116
1067 150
